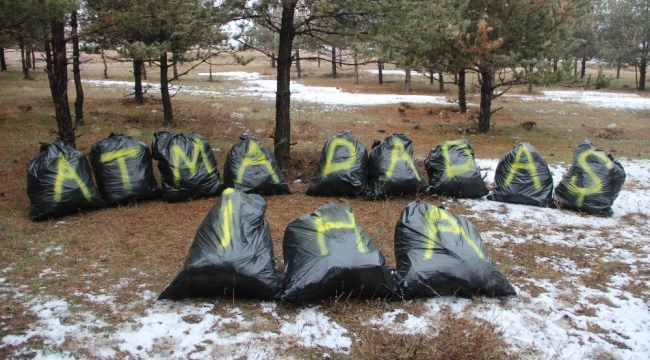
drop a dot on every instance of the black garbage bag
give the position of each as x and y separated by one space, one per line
59 182
523 177
452 171
250 167
391 169
231 255
123 169
439 253
187 165
327 254
342 169
592 183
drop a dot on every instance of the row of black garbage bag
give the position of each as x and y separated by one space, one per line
328 254
60 180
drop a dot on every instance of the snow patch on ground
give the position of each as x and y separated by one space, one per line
593 98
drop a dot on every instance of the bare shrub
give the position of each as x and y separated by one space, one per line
528 125
610 133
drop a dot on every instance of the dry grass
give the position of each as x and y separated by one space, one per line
142 246
457 337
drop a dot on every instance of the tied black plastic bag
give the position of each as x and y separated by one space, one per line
592 183
391 169
452 171
123 169
59 182
187 164
327 254
523 177
342 169
231 255
250 167
439 253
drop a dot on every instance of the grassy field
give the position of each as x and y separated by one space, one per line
129 251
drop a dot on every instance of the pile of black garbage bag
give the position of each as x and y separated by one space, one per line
60 180
328 254
452 171
592 183
523 177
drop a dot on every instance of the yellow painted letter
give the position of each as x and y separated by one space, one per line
434 219
528 165
253 157
121 156
331 167
323 225
451 170
64 171
597 183
178 154
397 155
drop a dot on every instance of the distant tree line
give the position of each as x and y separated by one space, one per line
503 42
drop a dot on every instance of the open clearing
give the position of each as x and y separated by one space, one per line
85 286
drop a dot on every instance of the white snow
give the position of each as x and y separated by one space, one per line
593 98
255 85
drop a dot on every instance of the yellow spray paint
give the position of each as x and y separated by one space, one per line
253 157
120 156
398 154
452 170
529 165
65 171
597 186
323 225
226 217
178 154
442 221
331 167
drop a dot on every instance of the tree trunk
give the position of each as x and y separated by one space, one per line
33 59
76 72
298 69
28 56
282 136
58 76
485 107
356 69
462 100
407 81
21 44
319 59
333 62
575 66
105 65
272 61
530 80
583 67
174 62
618 71
137 74
555 61
168 114
380 69
441 83
3 61
431 77
642 69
